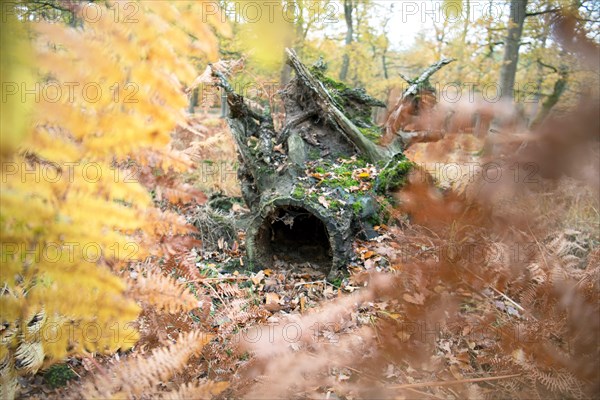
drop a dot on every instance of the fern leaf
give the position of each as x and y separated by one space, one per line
162 292
196 391
138 375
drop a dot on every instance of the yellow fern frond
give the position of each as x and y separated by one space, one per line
65 212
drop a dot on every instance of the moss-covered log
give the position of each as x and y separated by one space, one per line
297 215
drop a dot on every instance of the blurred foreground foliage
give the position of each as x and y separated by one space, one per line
100 99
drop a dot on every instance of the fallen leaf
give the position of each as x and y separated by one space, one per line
258 277
370 263
323 201
368 255
272 298
418 298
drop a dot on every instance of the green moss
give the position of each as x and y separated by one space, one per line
384 211
343 180
394 174
339 278
357 207
314 154
58 375
355 103
375 220
298 192
329 83
360 163
342 174
333 84
337 282
335 205
372 133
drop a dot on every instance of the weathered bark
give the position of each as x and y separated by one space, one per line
512 43
327 105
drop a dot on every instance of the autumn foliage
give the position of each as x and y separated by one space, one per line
73 212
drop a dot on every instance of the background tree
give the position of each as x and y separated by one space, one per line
348 9
512 43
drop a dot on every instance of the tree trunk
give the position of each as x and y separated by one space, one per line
559 87
466 11
349 34
297 42
511 48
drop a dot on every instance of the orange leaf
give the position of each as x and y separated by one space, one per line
368 255
271 298
418 298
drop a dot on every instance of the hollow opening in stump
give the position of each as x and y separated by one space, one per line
294 235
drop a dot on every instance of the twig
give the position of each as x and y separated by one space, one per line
191 129
214 291
511 301
501 294
323 281
406 78
456 382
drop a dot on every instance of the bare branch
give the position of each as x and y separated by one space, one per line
533 14
424 77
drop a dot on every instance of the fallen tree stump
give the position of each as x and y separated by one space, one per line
312 186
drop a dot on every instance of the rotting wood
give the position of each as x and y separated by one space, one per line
288 222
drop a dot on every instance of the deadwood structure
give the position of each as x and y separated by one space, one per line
325 121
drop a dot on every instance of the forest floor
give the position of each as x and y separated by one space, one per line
235 300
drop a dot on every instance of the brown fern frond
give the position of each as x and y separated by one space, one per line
135 376
190 390
556 381
590 280
229 290
184 266
152 287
